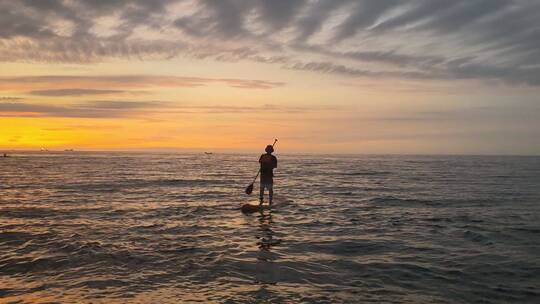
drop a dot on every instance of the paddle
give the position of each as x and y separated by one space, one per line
249 188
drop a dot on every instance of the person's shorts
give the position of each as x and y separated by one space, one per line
268 186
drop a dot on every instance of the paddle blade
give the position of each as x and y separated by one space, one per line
249 189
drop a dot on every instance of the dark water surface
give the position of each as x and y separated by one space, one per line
165 228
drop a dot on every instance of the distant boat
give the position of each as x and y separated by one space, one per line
69 150
208 153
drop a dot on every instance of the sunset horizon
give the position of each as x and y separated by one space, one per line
324 77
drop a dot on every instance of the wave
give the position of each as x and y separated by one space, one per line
115 185
401 201
344 193
528 229
353 247
477 237
366 173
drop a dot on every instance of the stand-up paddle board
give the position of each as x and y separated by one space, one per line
254 206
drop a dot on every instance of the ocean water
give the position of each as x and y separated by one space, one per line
86 227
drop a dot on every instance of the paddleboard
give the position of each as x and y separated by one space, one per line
254 206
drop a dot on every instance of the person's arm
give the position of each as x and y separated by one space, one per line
275 162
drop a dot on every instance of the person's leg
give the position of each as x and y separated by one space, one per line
270 193
261 193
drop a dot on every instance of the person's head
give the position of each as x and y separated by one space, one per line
269 149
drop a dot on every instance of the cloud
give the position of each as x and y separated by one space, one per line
83 127
267 108
438 39
313 19
390 57
279 14
331 68
73 92
219 18
10 99
68 85
250 84
121 105
364 14
143 109
90 109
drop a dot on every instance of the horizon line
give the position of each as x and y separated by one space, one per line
225 151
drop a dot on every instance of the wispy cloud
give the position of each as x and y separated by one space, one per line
267 108
68 85
91 109
250 84
73 92
461 39
10 99
78 127
144 109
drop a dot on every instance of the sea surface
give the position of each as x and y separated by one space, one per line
82 227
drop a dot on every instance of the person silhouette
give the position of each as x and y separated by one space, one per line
268 164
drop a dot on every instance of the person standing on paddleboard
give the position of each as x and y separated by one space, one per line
268 164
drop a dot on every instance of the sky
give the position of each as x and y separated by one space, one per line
327 76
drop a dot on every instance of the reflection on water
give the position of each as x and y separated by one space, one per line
265 235
166 228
